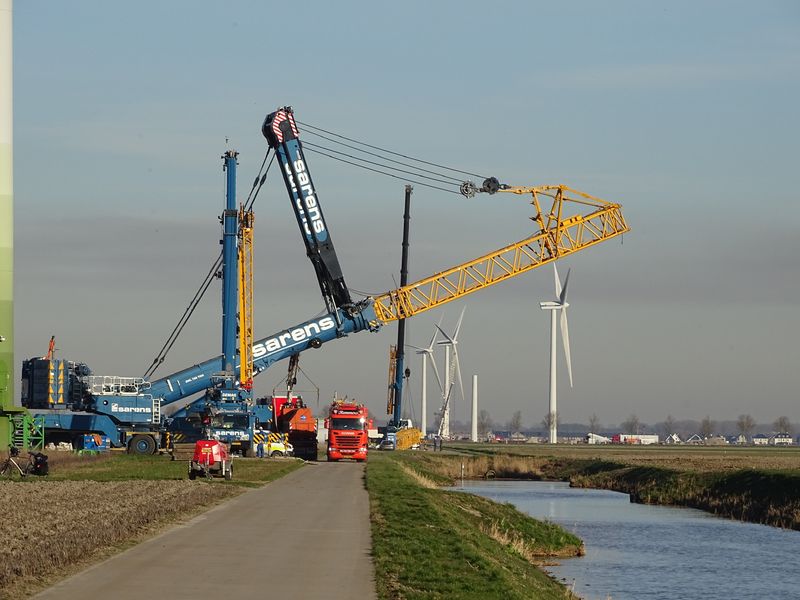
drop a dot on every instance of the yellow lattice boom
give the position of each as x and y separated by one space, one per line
574 221
246 221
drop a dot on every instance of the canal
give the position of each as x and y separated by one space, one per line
636 551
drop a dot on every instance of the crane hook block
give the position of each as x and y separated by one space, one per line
280 126
468 189
490 185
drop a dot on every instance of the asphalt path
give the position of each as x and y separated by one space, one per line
305 535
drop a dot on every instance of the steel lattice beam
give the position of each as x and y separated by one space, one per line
563 232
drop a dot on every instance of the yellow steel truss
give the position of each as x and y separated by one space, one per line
246 220
563 230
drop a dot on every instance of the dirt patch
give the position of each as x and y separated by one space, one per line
49 526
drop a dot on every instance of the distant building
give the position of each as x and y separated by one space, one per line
673 438
695 439
594 438
571 439
760 439
739 440
642 439
715 440
781 439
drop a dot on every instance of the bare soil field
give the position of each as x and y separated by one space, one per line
92 506
49 526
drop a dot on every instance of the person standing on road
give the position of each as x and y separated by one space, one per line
260 449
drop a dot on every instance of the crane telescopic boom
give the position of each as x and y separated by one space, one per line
282 135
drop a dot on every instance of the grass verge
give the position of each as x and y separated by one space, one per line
431 543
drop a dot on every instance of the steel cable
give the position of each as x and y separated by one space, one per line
435 187
390 151
356 148
339 152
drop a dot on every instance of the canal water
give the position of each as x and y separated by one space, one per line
636 551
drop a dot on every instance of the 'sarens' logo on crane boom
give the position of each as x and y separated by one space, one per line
293 337
307 198
280 127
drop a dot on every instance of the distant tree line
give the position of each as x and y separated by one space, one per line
745 425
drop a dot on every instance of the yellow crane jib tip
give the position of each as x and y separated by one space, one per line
573 221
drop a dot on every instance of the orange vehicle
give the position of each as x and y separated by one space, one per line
347 431
297 420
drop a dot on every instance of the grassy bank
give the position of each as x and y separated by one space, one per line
754 485
767 497
431 543
91 507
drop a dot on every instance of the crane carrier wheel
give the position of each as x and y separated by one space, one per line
142 444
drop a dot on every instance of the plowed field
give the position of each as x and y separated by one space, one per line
48 526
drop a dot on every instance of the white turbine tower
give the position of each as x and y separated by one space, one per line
450 371
560 304
427 352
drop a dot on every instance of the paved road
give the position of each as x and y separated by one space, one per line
317 518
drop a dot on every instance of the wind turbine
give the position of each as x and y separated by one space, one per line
560 304
426 352
450 370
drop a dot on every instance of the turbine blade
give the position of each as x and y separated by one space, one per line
558 281
458 370
563 296
436 373
458 327
433 339
449 340
565 340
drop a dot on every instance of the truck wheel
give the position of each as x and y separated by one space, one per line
142 444
229 471
192 475
276 453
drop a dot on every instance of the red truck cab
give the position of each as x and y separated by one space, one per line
347 431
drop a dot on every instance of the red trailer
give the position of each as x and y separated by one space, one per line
211 459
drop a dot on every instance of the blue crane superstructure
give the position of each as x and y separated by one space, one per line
129 410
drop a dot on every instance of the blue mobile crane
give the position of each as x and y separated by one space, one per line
74 403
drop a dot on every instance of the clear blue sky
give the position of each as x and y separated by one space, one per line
684 112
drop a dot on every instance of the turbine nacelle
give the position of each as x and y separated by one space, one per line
551 305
